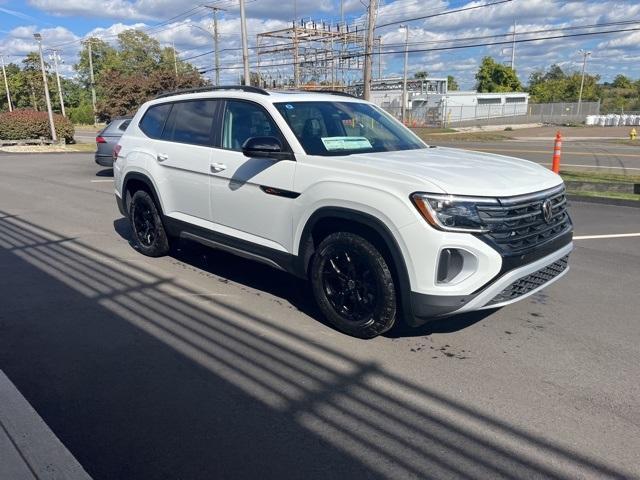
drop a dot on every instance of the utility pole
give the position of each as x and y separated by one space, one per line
216 40
585 54
93 87
404 77
379 58
55 56
175 59
366 75
6 84
54 137
245 48
513 47
296 52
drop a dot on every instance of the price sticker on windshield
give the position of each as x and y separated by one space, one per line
346 143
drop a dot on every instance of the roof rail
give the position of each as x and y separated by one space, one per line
335 92
244 88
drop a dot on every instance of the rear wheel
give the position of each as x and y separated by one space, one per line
149 235
353 285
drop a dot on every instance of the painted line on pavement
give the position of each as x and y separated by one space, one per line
592 166
618 235
106 180
606 154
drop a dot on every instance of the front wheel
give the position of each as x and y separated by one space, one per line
149 235
353 285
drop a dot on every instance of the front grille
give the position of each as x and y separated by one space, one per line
517 224
524 285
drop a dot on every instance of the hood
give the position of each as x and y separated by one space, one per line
465 172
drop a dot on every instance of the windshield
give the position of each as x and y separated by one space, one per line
344 128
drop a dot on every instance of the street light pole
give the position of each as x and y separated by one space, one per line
585 54
245 48
54 137
93 86
404 78
55 56
6 84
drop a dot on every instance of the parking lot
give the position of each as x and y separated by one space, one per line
202 365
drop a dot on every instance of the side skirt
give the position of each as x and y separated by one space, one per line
268 256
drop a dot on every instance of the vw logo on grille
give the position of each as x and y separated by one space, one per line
547 211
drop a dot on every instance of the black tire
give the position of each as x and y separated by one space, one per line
353 286
149 235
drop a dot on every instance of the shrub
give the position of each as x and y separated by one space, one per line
82 114
27 124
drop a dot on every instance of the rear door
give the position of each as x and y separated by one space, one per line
183 154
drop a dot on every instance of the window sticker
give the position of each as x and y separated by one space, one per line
288 106
346 143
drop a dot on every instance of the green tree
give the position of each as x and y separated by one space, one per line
421 75
554 85
130 73
103 56
495 77
621 82
452 84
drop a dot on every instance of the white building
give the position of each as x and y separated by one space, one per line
458 106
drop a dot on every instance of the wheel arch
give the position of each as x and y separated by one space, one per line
330 219
134 181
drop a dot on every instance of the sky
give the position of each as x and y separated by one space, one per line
64 23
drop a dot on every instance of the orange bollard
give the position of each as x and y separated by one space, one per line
557 151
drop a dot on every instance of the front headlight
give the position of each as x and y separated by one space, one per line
452 213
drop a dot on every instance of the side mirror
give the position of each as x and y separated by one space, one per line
269 147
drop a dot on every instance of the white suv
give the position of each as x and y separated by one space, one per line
332 189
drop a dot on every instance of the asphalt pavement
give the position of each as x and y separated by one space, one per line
202 365
605 156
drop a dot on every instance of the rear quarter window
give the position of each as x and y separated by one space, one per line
153 121
191 122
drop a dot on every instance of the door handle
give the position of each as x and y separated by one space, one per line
161 157
218 167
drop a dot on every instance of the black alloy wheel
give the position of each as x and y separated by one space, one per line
149 234
353 285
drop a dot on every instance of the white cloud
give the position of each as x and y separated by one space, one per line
610 54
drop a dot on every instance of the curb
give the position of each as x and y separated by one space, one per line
619 202
28 448
2 152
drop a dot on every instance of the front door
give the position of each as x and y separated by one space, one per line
251 197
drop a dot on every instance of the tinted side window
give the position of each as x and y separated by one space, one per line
191 122
243 120
123 126
153 121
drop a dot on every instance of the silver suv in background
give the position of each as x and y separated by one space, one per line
108 138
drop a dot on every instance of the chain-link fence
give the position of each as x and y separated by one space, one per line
504 114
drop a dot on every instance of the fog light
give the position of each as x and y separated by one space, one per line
450 265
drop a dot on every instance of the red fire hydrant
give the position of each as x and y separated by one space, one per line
557 152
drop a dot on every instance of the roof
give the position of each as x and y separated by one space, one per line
257 93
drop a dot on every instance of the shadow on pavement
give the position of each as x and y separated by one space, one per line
142 376
105 172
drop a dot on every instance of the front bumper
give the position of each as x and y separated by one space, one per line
510 287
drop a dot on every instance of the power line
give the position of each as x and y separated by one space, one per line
453 40
458 47
447 12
